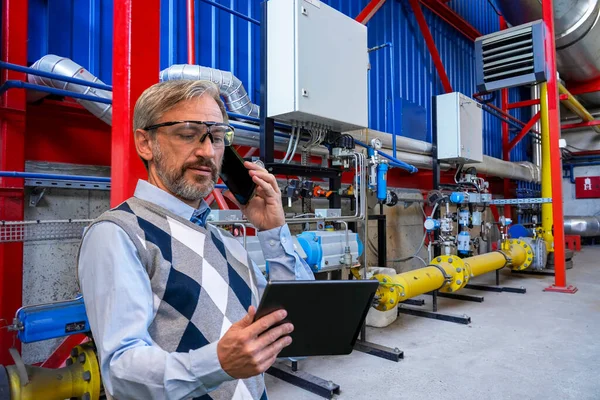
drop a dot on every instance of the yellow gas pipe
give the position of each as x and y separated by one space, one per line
450 273
547 218
80 379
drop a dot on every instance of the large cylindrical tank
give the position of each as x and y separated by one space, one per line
577 33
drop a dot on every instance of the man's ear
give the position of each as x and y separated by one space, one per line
143 144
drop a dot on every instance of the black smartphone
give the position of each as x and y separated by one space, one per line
236 176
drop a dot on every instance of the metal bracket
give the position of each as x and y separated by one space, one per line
535 200
67 184
36 196
304 380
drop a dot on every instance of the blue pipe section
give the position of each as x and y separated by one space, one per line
230 11
31 71
58 92
59 177
394 162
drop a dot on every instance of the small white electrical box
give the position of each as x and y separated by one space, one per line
459 123
317 64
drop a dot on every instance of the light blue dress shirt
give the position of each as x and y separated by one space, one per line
119 304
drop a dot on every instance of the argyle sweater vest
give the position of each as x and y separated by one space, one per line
202 281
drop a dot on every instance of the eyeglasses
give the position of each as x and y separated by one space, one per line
188 133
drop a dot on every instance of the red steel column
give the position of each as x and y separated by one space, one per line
435 55
191 31
135 68
560 276
12 158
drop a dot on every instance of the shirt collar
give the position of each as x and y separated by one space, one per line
153 194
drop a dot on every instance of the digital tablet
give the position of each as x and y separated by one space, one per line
327 315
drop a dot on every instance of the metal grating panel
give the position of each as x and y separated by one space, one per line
27 231
507 56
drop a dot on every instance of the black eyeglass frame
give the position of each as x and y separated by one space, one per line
208 124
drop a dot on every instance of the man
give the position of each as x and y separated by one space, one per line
171 300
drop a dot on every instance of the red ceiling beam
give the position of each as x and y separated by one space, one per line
580 125
435 55
584 87
135 68
12 158
370 9
452 18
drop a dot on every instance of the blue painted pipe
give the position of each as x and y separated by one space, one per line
31 71
394 162
59 92
59 177
230 11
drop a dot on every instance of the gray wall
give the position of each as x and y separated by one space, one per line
573 206
581 140
49 266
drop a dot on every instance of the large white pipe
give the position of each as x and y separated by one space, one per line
402 143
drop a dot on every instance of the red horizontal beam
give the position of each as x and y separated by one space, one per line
367 13
452 18
580 124
525 103
524 131
586 153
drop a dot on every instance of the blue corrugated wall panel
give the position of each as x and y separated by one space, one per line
402 79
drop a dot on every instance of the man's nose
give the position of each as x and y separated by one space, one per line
205 149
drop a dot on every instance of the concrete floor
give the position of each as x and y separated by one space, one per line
519 346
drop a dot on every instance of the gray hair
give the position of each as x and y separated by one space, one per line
161 97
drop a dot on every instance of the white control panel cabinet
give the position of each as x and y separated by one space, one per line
459 123
317 65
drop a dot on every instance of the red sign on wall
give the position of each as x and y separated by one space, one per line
587 187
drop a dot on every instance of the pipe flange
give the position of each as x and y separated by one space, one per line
456 272
85 355
529 254
388 293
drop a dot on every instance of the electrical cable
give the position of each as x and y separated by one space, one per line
495 9
299 133
287 152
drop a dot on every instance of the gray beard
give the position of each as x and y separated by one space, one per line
176 182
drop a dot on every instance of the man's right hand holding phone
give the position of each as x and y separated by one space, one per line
250 347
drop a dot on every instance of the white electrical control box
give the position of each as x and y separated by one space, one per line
317 65
459 122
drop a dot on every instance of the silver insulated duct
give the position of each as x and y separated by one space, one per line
232 89
66 67
582 226
577 33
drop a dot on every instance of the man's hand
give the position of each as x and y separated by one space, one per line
264 211
250 348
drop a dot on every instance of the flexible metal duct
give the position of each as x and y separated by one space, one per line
577 34
66 67
582 226
232 89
